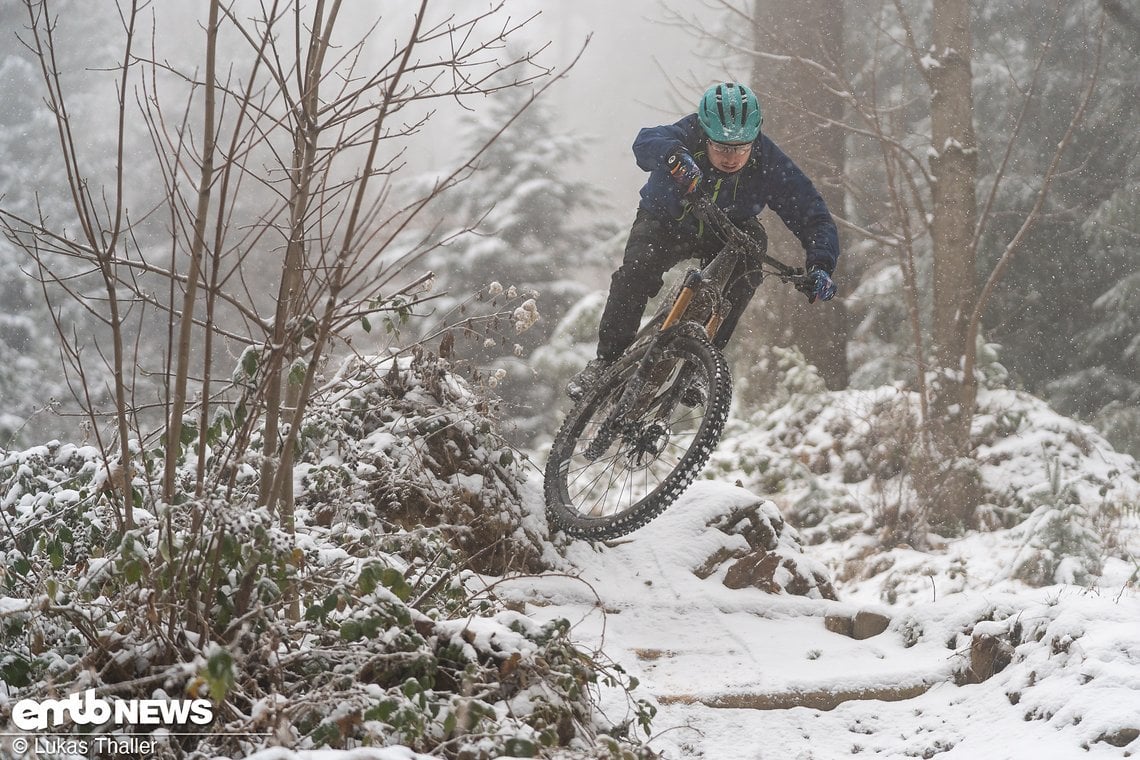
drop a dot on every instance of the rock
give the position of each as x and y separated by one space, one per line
988 655
775 572
868 624
863 625
844 625
774 560
1120 738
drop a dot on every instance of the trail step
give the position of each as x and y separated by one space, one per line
815 699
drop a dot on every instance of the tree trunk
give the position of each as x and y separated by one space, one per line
951 489
953 164
804 117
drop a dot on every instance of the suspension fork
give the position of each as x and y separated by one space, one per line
610 428
693 280
712 327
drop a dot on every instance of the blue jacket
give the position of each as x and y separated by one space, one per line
769 179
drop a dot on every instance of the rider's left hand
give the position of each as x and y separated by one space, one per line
823 287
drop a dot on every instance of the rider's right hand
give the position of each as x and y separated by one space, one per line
684 170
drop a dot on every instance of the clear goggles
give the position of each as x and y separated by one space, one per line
730 149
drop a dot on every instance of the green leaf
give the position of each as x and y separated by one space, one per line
382 711
132 571
520 748
366 324
15 672
350 630
297 373
367 580
395 582
249 361
219 674
325 735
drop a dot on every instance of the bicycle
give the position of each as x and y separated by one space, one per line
633 442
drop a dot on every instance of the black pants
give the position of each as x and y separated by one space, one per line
656 246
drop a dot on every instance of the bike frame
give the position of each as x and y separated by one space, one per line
702 291
711 282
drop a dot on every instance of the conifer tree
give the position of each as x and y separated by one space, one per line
538 229
33 187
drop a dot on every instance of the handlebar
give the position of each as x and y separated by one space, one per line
714 216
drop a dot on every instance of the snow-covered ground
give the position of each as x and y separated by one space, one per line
1017 642
724 666
727 668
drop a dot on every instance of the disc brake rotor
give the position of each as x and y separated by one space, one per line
644 443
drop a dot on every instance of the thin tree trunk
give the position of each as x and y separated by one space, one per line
954 167
197 251
290 292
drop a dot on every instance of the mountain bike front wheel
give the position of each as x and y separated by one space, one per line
609 474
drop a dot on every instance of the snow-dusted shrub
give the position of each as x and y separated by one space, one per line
842 466
1121 425
880 351
773 379
1062 545
341 629
406 442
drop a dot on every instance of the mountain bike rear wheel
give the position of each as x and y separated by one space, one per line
607 477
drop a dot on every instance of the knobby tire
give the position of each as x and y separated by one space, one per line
567 463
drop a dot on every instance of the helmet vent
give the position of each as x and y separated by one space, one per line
730 113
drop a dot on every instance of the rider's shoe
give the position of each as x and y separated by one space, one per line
695 394
587 378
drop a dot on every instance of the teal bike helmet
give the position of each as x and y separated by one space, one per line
730 113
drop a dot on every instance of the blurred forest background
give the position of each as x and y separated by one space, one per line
291 284
1013 198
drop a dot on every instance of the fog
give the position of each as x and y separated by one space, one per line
635 70
628 77
635 65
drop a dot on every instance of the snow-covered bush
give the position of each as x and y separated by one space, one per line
841 466
355 627
1062 543
405 441
775 377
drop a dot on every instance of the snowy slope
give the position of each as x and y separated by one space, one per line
1017 641
701 650
727 668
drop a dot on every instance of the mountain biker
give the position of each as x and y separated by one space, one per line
720 151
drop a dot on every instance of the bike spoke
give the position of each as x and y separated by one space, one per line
607 485
648 437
